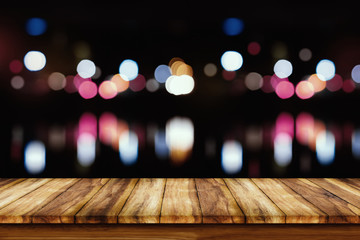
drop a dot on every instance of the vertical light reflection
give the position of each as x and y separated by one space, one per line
232 157
355 143
161 148
128 147
88 124
86 149
283 149
325 147
179 139
35 157
285 124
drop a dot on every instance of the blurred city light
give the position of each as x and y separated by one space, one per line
128 69
162 73
35 157
325 147
325 70
231 157
108 90
210 69
233 26
36 26
283 68
305 54
283 149
86 149
355 73
231 60
88 89
86 68
34 60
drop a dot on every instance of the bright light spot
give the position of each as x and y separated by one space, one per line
285 124
88 124
138 83
325 147
355 73
88 89
162 72
77 81
36 26
233 26
231 60
253 81
355 143
305 125
318 84
335 83
283 149
254 48
57 81
121 84
305 54
15 66
35 157
179 138
285 89
304 90
128 147
107 90
86 68
231 157
128 69
210 69
325 70
34 60
180 85
86 149
283 68
152 85
17 82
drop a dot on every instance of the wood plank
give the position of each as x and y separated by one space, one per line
257 207
216 202
340 189
354 182
338 210
181 231
144 203
106 205
21 210
17 191
180 202
64 207
8 182
296 208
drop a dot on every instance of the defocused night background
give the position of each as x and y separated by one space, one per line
143 90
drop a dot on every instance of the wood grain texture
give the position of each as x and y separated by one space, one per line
21 210
180 232
106 205
8 182
257 207
180 202
144 203
65 206
340 189
338 210
216 202
296 208
17 191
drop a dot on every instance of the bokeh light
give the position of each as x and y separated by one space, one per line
210 69
86 149
267 86
17 82
283 68
349 86
138 83
305 54
228 75
285 89
253 81
318 84
162 72
254 48
304 90
283 149
335 83
35 157
36 26
128 69
231 60
325 147
325 70
152 85
56 81
232 157
88 89
355 73
121 84
233 26
86 68
180 85
107 90
128 147
15 66
34 60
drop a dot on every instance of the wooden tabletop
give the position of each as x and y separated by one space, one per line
182 200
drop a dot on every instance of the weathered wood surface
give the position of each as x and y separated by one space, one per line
183 200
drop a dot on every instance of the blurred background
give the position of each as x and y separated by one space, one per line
143 90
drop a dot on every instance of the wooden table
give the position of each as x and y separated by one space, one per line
186 208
